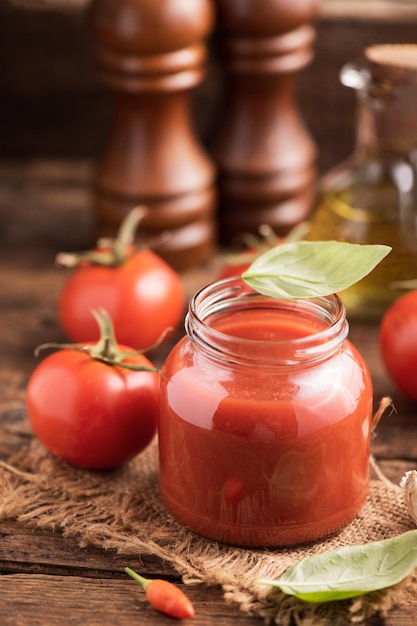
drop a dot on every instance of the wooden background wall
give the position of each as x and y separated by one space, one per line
51 104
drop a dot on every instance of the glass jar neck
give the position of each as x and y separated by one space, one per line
386 111
385 123
276 341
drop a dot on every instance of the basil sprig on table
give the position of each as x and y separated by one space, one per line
309 269
350 571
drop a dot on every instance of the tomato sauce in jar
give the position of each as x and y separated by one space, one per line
265 419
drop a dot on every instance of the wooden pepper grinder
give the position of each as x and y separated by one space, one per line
151 55
265 155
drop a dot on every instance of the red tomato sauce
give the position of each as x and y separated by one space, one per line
264 455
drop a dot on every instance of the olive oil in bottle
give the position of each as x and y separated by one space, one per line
372 196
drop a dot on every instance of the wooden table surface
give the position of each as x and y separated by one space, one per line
47 580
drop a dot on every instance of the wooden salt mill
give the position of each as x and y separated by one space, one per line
151 55
265 155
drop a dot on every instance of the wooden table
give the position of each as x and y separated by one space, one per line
46 580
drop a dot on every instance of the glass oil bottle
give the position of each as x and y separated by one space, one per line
372 196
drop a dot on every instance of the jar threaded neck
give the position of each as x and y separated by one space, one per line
214 309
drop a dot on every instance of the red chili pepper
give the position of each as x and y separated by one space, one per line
164 596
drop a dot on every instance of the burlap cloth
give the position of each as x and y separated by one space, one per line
121 510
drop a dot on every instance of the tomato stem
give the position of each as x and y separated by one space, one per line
110 252
106 349
385 403
255 244
126 234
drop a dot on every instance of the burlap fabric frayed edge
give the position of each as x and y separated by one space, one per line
122 511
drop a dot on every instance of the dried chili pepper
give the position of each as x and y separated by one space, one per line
164 596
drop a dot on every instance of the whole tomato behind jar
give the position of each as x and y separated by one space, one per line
142 294
252 246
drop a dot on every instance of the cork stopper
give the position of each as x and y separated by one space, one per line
393 83
400 56
393 65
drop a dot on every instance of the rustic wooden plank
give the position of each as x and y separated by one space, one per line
44 600
395 469
44 205
395 438
34 550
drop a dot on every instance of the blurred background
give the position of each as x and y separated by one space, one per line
53 105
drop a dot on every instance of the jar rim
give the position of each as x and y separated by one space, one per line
225 296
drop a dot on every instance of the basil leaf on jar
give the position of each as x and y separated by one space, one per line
309 269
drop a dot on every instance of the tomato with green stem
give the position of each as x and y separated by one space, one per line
143 295
255 245
94 406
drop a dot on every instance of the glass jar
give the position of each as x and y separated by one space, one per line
265 419
372 196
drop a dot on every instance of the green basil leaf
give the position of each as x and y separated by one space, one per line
308 269
351 571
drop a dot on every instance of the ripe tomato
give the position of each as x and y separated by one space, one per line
235 265
91 414
398 343
143 295
255 245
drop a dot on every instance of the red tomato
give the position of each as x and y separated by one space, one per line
237 265
144 297
90 414
398 343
